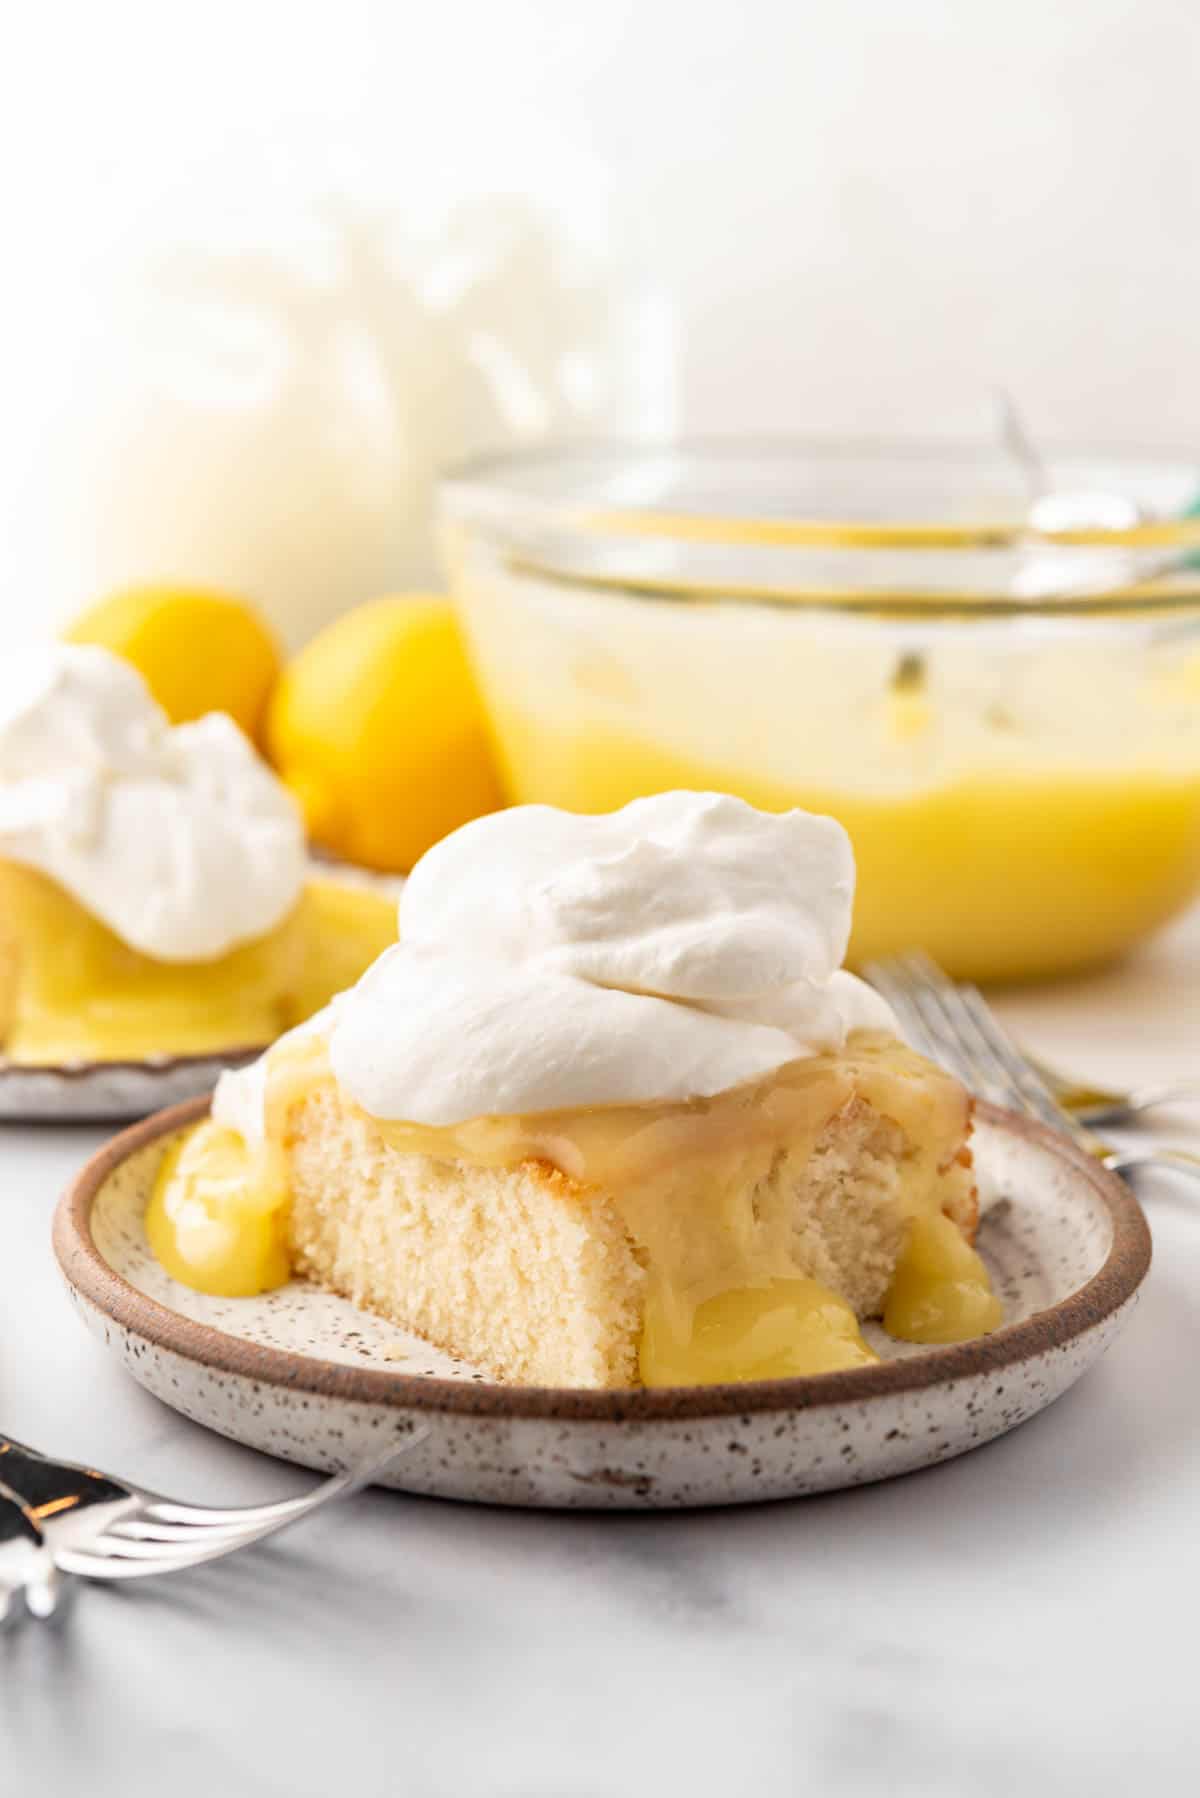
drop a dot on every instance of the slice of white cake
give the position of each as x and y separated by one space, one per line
538 1277
615 1118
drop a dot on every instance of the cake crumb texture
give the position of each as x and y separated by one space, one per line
537 1279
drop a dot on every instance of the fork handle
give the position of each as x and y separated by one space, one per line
27 1571
40 1481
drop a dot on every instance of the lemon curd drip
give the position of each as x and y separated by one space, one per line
725 1296
940 1291
345 929
753 1333
217 1215
71 990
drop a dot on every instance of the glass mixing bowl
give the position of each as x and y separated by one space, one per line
1005 718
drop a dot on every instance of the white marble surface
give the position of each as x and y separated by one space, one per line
1021 1620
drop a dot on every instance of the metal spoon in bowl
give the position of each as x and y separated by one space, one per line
1064 574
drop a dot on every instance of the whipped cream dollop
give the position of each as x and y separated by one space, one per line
178 838
547 962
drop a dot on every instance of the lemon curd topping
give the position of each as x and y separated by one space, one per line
727 1296
345 928
216 1217
940 1291
753 1333
74 991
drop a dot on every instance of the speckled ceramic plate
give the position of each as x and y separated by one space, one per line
90 1092
301 1374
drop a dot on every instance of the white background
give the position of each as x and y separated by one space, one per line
864 213
865 210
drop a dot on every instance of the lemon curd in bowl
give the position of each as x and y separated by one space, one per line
1006 721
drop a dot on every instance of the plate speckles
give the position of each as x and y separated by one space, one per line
306 1376
92 1092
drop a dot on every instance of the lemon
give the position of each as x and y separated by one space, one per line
378 729
197 651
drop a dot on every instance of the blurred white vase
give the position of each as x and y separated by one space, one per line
256 388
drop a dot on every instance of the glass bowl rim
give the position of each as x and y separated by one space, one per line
482 489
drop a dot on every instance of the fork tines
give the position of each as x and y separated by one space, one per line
953 1025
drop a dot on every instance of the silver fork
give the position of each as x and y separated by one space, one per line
953 1025
101 1528
1092 1103
28 1579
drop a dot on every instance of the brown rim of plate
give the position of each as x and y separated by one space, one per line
87 1272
